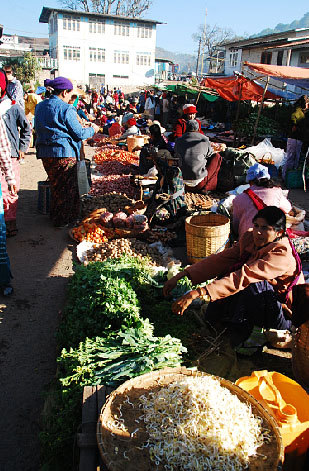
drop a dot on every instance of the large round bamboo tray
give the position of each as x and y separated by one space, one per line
206 234
124 451
300 355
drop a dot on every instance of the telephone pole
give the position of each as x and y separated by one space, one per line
201 46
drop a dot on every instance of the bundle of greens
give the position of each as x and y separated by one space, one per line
119 357
102 298
106 338
266 126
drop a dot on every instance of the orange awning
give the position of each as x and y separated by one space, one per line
298 76
238 87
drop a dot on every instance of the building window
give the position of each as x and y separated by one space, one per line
266 57
304 58
121 28
71 23
53 24
71 53
144 31
96 26
143 58
233 59
280 57
121 57
96 54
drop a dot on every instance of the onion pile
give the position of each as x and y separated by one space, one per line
109 183
113 168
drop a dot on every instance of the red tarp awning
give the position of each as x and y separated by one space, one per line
230 88
298 76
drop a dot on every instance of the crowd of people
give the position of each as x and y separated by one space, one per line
263 264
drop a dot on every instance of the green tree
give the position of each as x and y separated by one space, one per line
25 68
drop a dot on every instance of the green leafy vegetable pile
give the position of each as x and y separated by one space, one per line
266 126
105 338
119 357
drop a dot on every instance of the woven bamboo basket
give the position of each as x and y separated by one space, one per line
206 234
123 450
300 355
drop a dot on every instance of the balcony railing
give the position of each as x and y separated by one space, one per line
48 62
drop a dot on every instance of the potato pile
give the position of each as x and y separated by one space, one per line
159 236
130 247
111 202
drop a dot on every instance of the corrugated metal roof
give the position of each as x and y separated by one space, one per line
46 12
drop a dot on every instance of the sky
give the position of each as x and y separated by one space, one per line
182 18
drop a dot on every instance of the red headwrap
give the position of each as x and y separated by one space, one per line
189 109
3 83
131 122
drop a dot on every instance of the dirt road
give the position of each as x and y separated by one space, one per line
41 263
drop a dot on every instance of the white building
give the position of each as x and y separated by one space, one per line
289 48
96 49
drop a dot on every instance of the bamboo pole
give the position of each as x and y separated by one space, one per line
259 112
238 109
198 97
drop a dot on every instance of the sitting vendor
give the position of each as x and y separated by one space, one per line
189 113
167 203
199 165
131 129
262 192
156 140
253 279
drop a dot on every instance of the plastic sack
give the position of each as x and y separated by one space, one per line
225 206
265 150
82 178
153 172
238 190
296 220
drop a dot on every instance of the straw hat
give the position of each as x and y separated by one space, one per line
162 129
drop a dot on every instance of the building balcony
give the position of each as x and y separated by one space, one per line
47 62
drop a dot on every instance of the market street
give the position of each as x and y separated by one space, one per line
41 263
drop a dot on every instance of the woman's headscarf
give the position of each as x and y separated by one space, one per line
3 83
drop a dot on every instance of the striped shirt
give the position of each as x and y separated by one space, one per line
5 155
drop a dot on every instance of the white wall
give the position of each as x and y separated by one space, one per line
80 70
229 68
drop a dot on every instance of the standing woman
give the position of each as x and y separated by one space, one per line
7 170
297 134
58 144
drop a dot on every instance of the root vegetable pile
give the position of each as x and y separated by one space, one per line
130 247
111 202
109 183
113 168
196 424
158 236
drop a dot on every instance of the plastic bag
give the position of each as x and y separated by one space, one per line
82 178
265 150
153 172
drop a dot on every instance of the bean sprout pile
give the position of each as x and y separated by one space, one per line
198 425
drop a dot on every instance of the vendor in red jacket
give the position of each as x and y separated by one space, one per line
189 112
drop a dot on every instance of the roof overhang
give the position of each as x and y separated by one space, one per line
46 12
